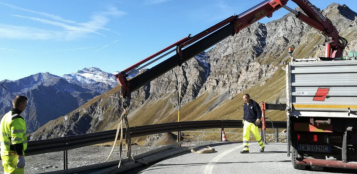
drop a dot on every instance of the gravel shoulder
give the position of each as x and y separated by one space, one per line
84 156
76 158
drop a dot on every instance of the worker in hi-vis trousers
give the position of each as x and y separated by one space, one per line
13 137
251 121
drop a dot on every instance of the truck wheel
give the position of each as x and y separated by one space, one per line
294 155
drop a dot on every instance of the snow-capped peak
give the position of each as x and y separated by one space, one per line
89 76
90 70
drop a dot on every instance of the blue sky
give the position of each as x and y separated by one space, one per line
63 36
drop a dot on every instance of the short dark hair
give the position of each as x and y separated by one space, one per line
247 95
18 100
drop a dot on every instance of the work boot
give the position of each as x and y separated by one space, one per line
244 151
262 149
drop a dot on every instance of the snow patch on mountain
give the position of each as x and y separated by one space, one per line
91 76
203 58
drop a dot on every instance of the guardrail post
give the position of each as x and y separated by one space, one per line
65 160
277 134
178 138
263 135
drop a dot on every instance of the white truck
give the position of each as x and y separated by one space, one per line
322 113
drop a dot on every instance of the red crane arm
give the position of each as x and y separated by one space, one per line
188 47
334 47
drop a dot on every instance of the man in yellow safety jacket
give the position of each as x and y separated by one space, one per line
251 121
13 137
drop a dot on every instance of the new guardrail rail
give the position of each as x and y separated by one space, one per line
72 142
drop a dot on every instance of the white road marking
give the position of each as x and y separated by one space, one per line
210 165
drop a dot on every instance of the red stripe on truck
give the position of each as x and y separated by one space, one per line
321 94
307 127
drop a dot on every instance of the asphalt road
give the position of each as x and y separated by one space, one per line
228 160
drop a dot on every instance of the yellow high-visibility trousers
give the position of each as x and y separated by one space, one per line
9 163
251 127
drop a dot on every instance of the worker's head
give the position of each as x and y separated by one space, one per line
246 98
20 102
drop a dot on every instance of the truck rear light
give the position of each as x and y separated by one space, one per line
298 137
316 138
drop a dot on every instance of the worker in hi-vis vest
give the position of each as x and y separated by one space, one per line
13 137
251 121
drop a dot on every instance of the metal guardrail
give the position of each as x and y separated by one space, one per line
72 142
280 107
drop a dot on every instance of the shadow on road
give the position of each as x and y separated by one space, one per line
163 166
265 152
168 166
331 170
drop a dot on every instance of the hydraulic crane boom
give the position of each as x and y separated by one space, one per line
188 47
333 45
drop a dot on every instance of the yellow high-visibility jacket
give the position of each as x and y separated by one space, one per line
12 131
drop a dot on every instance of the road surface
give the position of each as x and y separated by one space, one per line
228 160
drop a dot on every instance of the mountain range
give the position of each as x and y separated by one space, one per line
51 96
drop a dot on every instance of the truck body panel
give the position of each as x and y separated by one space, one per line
323 86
